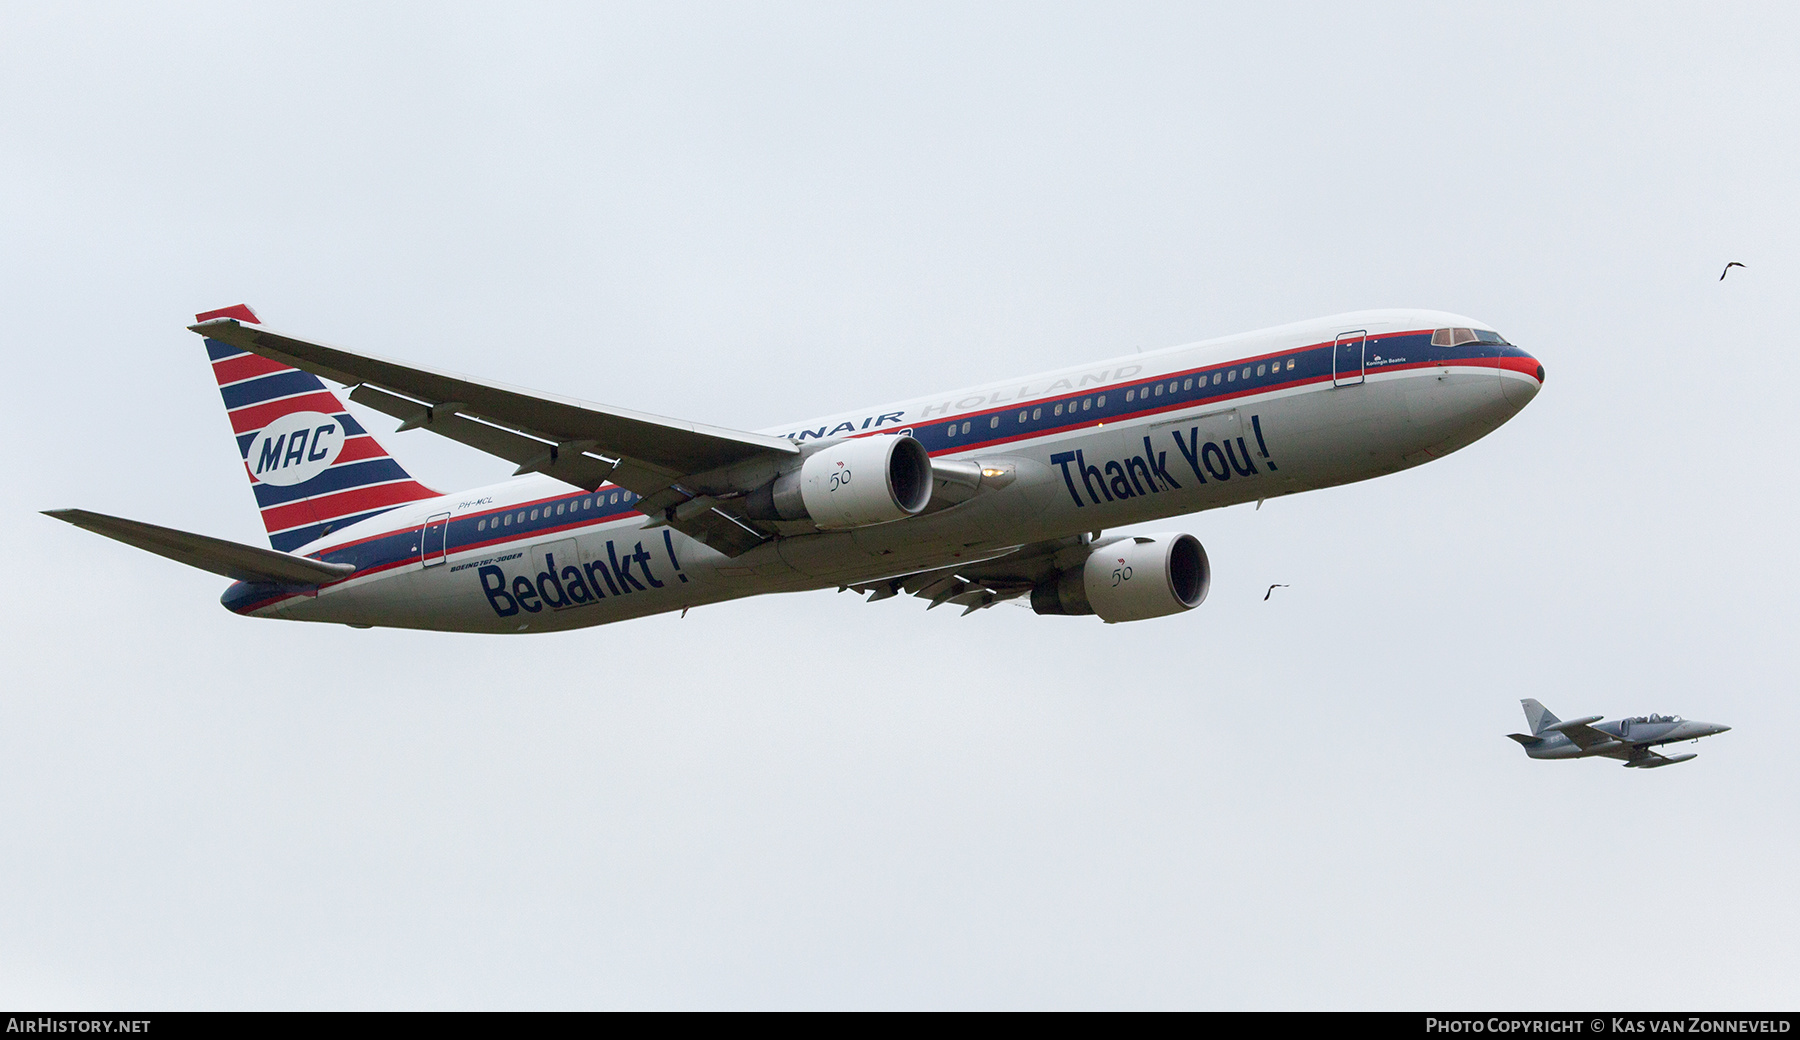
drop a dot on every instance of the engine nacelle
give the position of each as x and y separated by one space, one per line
850 483
1134 578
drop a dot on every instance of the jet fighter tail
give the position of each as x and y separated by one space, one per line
1537 716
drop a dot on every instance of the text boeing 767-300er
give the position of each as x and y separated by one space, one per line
970 498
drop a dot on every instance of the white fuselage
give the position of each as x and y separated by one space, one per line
1132 439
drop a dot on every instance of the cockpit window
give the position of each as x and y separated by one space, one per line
1457 337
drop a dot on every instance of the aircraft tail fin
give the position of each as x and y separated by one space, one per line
312 466
1537 716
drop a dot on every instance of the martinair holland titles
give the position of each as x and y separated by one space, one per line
968 498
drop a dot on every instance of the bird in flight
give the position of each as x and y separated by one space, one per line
1271 592
1728 268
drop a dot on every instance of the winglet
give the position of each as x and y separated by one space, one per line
241 312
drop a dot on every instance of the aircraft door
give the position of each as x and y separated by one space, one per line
1347 358
554 570
434 540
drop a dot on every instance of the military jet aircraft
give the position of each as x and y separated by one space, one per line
1627 739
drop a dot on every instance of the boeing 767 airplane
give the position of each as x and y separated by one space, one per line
970 498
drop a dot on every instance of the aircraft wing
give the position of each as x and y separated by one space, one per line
230 559
577 442
1587 736
980 584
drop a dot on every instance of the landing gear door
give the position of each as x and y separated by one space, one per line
1347 358
433 540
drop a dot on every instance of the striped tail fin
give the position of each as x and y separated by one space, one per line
313 467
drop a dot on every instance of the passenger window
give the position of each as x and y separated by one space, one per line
1037 413
1290 364
1259 369
1187 384
534 514
1159 389
1246 371
994 423
615 498
481 526
1021 416
1215 379
1101 402
559 509
1130 396
1059 409
1231 376
1173 383
1087 403
951 431
507 520
965 427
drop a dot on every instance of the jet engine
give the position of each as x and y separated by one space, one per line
1134 578
850 483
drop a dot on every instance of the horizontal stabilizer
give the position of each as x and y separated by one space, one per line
230 559
1528 741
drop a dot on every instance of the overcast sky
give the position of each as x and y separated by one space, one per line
750 214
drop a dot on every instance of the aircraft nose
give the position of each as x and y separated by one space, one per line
1692 730
1521 377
